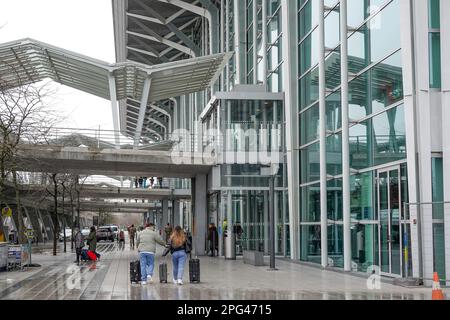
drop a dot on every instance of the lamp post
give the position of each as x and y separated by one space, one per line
273 169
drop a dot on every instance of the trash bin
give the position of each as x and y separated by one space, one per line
3 256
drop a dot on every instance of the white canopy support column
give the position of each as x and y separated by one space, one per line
345 139
142 110
323 139
115 112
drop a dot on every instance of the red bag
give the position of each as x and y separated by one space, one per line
92 255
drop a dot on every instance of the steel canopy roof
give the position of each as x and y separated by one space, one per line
29 61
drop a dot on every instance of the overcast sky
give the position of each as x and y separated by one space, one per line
83 26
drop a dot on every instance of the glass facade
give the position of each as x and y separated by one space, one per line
377 131
434 25
263 55
380 228
438 216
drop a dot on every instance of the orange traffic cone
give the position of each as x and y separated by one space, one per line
437 291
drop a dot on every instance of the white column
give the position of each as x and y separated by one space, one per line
255 41
323 149
345 139
289 14
165 212
445 53
424 137
410 124
227 41
176 111
237 41
142 110
222 41
115 112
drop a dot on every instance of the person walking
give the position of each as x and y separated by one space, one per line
132 233
92 240
79 243
168 231
121 239
179 246
146 244
213 237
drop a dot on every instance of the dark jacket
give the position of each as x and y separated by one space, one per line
213 234
92 241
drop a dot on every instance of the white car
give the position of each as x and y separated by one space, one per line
115 230
68 235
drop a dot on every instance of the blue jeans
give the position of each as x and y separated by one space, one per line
178 259
147 264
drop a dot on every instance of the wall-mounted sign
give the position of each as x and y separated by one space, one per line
6 212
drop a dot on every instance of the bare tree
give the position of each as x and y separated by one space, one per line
24 118
22 112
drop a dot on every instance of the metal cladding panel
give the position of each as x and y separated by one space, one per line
28 61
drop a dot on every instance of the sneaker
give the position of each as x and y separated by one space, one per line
149 279
175 281
144 283
180 282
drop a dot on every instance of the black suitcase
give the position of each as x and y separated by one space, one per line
163 272
135 271
194 270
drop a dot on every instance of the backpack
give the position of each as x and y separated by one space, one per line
188 246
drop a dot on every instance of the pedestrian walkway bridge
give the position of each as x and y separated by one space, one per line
94 152
107 162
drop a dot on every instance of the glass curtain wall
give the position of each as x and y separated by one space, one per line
274 46
272 50
260 61
377 130
434 27
438 216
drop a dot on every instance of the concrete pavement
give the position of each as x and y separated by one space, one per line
60 279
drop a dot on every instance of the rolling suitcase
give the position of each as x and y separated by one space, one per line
135 271
92 256
163 272
194 270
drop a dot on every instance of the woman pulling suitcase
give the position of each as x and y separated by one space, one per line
179 246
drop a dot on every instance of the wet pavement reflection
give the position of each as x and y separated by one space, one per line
108 279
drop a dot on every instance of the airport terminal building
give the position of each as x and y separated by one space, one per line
359 126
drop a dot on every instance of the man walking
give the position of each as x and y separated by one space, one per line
146 244
213 237
79 243
132 233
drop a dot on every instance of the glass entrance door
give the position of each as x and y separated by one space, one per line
389 214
